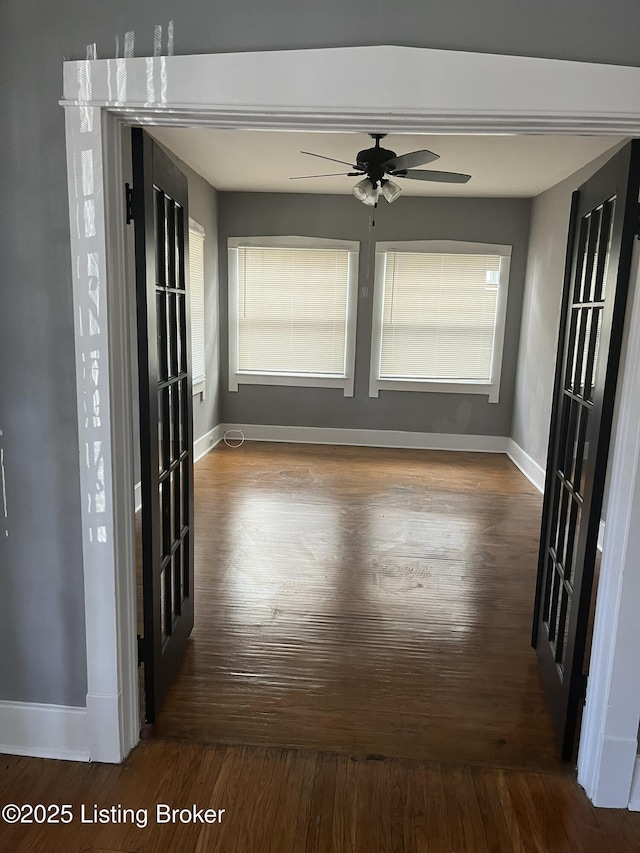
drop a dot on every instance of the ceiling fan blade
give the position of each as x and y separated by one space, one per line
408 161
330 175
432 175
333 159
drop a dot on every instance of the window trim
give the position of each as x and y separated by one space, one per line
241 377
199 382
458 247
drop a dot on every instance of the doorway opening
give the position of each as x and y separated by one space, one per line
273 665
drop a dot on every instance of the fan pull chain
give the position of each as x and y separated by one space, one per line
372 222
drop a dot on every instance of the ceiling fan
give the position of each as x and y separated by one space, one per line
377 163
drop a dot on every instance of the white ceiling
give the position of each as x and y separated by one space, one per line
264 161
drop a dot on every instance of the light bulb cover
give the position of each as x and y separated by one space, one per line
372 198
366 192
390 190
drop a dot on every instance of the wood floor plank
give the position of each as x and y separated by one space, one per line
436 809
463 810
297 767
199 789
304 810
257 811
373 820
414 814
343 836
496 811
236 788
396 805
322 804
530 821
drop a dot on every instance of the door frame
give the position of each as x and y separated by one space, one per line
263 90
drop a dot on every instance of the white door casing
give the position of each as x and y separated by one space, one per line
301 90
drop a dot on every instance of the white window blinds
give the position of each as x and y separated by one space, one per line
196 296
439 316
292 310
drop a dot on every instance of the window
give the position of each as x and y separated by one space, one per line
196 300
292 307
438 319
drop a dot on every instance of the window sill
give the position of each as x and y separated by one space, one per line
291 380
488 389
198 387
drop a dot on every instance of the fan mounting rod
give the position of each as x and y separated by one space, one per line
370 160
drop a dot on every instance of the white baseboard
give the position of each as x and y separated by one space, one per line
634 796
371 438
44 731
532 471
207 442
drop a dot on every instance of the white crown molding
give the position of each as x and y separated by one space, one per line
324 88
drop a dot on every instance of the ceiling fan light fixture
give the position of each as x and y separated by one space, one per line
366 192
377 162
390 190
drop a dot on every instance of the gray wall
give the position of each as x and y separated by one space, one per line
541 313
42 629
593 32
203 207
502 221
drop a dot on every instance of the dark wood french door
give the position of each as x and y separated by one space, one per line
160 213
604 223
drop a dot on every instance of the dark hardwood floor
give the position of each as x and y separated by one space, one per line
301 801
367 601
353 606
